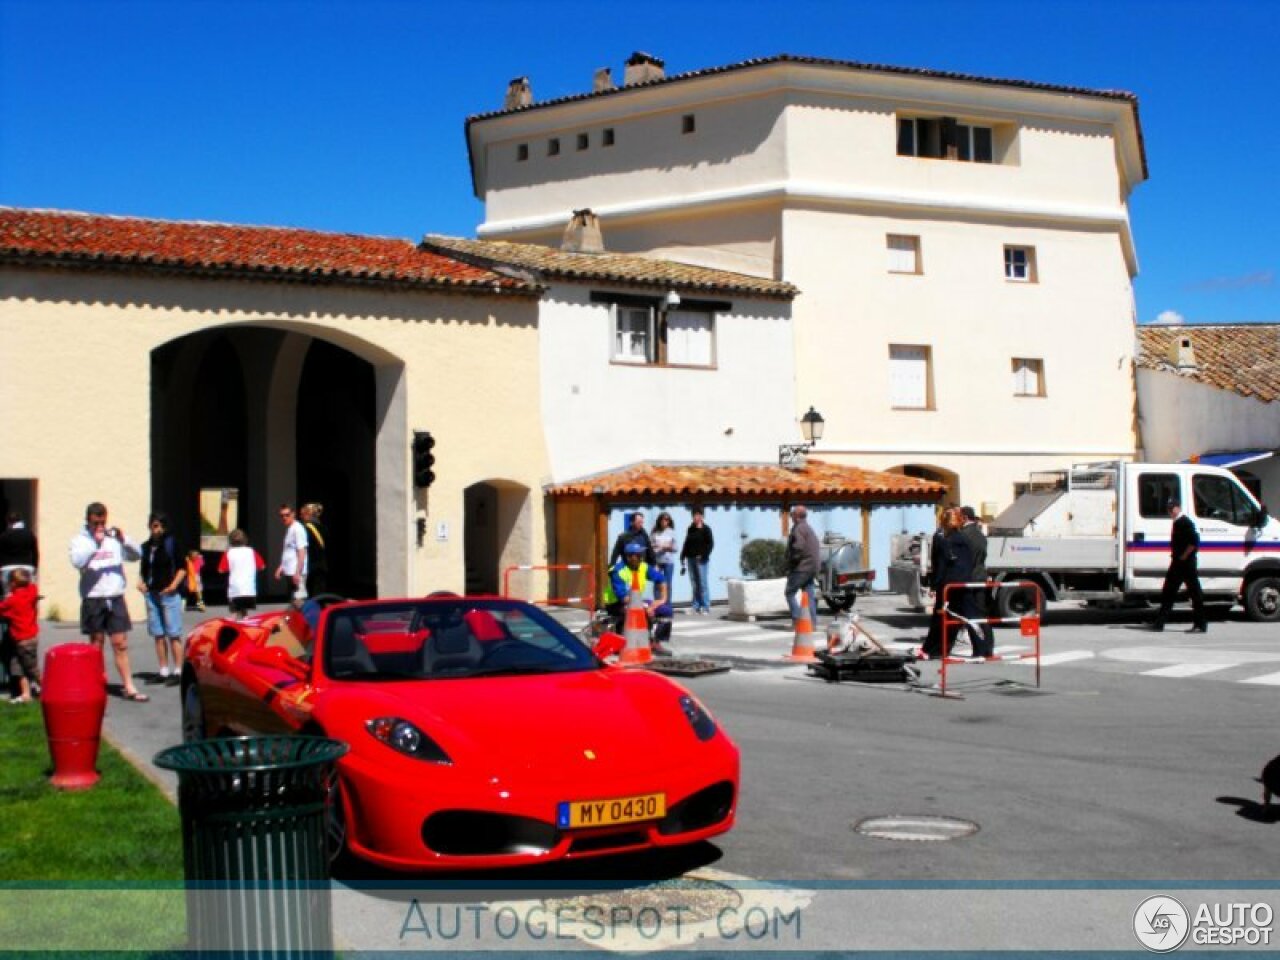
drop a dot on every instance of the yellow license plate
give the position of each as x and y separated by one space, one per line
606 813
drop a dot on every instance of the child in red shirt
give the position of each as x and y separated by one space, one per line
19 608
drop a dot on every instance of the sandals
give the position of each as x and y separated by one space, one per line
136 697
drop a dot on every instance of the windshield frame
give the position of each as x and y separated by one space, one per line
446 638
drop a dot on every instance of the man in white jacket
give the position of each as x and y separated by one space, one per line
99 552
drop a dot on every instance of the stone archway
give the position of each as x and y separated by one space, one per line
285 415
497 533
923 471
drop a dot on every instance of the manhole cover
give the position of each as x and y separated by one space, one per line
918 828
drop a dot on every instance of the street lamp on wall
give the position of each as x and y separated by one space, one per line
792 454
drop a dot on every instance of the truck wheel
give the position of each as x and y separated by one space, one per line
1016 601
1262 599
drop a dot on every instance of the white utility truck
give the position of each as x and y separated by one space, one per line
1100 532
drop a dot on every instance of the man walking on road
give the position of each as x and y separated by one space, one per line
804 557
1184 544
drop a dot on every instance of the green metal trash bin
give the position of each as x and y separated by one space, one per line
254 848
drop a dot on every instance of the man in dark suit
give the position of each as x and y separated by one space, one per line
984 645
1184 544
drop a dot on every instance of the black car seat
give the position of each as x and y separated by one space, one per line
347 653
452 649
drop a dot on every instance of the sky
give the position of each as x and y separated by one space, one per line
348 116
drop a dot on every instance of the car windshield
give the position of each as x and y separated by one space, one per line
439 639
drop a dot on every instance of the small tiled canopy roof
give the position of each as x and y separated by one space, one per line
620 268
816 481
63 238
1243 358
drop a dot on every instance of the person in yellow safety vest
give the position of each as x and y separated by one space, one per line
632 573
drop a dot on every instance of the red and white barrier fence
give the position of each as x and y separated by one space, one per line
587 599
1028 624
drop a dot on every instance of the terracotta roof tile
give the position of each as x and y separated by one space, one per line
1243 358
817 480
620 268
64 238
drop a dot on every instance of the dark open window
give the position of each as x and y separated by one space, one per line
1155 491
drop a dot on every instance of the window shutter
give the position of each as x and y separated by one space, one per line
909 376
903 253
690 337
906 138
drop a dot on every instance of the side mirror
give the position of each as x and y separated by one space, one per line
1261 517
277 658
609 645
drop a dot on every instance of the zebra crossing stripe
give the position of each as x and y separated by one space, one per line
1187 669
1270 679
690 630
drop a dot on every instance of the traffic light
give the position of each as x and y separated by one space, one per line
423 458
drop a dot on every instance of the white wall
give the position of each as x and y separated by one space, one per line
599 415
1181 417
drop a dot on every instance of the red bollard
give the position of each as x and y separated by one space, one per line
73 699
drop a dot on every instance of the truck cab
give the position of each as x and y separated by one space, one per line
1239 542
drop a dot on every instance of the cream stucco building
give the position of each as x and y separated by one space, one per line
145 361
151 364
962 244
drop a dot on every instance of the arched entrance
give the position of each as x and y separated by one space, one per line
498 533
274 415
922 471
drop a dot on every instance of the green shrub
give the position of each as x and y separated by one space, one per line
764 559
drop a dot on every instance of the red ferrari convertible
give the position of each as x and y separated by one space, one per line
483 733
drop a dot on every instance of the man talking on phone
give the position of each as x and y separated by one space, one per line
99 551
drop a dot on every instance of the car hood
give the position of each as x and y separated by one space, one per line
564 724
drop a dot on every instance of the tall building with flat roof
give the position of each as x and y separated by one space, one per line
962 244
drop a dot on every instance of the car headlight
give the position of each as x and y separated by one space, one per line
703 726
403 737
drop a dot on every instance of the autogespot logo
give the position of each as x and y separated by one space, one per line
1161 924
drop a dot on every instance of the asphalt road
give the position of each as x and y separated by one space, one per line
1134 763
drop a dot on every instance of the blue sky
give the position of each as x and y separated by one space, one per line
349 116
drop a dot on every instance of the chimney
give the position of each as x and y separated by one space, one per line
641 68
582 235
1181 353
519 94
603 80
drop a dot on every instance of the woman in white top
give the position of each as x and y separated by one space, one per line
665 548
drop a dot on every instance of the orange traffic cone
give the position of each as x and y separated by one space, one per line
802 647
636 632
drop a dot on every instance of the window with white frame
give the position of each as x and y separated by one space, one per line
1028 377
910 376
945 138
1020 264
904 253
633 339
654 335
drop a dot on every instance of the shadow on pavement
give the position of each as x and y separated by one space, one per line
1250 810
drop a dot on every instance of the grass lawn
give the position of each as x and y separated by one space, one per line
89 870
